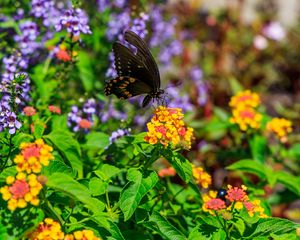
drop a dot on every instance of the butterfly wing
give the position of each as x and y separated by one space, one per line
126 87
145 55
129 65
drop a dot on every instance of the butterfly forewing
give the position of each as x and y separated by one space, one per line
144 53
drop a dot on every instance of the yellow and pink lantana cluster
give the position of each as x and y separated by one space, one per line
24 188
167 127
244 112
51 230
237 198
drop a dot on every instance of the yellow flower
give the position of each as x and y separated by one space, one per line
82 235
202 178
246 117
33 156
167 127
245 98
255 207
21 191
281 127
47 230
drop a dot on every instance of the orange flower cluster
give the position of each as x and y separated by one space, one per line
201 177
281 127
33 156
167 127
82 235
21 190
244 110
238 199
167 172
51 230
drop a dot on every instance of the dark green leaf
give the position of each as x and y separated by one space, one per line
97 140
137 188
258 146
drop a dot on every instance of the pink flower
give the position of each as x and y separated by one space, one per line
215 204
54 109
29 111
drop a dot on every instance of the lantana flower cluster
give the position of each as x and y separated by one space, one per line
50 229
236 198
33 156
167 128
281 127
244 111
201 177
25 187
21 190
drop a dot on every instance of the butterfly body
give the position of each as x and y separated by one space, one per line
137 73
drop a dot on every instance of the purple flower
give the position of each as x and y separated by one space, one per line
105 4
118 134
274 31
196 76
178 100
12 123
112 113
89 110
117 24
75 21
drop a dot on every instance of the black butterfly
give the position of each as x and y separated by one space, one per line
137 73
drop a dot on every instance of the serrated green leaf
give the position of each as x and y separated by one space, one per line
107 171
57 166
68 147
182 166
97 186
39 129
266 226
135 190
97 140
59 122
165 228
22 137
195 234
67 185
115 232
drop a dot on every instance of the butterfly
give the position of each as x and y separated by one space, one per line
137 72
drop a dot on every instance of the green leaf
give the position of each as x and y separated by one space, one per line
39 129
135 190
97 140
97 186
240 226
290 181
266 226
115 232
165 228
68 147
250 166
67 185
182 166
22 137
85 70
258 146
57 166
59 122
3 232
9 171
107 171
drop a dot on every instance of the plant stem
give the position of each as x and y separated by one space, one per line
224 226
8 155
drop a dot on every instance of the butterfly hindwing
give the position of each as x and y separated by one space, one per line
126 87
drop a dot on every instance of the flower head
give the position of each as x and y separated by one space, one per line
75 21
281 127
82 235
246 117
255 207
29 111
167 172
48 229
202 178
21 190
215 204
245 98
33 156
235 194
167 127
54 109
